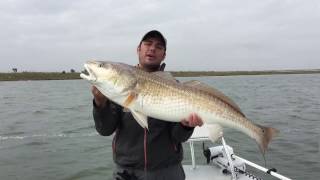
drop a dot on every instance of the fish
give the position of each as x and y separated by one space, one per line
161 96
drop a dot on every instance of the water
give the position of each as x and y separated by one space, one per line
47 131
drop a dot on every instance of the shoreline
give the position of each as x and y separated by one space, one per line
241 73
23 76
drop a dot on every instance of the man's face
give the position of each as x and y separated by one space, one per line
151 53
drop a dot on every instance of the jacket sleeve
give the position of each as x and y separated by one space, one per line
106 119
181 133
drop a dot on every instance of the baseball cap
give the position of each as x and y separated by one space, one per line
157 35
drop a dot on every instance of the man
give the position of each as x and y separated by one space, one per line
151 154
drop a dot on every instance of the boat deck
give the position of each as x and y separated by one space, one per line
207 172
214 169
202 172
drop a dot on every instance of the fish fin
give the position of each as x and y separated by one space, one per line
215 132
215 92
141 119
124 109
166 75
267 133
130 98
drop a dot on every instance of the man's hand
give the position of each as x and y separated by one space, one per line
99 98
193 120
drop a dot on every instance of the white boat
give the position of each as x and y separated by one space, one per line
222 163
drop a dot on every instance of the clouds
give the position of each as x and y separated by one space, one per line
52 35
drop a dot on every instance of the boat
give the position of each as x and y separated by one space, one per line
222 162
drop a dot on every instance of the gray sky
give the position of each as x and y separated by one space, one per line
53 35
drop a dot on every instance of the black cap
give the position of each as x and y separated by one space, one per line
157 35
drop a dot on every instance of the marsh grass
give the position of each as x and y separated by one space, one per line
38 76
237 73
21 76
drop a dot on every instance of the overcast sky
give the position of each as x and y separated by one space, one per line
53 35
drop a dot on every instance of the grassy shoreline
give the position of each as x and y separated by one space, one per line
240 73
23 76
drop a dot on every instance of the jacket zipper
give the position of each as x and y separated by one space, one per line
145 149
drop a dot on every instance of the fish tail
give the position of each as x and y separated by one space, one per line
267 133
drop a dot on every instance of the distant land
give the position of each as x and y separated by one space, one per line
22 76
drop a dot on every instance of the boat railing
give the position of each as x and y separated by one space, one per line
201 137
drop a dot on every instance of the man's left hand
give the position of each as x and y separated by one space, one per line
193 120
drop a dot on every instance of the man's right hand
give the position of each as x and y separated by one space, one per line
99 99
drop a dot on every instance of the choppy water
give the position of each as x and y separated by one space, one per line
47 131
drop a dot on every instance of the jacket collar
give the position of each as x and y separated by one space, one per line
161 67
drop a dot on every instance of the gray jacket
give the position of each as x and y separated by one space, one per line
135 147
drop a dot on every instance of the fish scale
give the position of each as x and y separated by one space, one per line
160 96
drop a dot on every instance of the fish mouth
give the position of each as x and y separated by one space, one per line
88 74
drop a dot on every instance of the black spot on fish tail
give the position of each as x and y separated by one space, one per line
267 134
